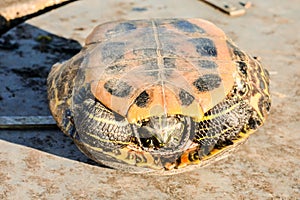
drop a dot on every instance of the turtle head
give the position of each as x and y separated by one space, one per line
164 131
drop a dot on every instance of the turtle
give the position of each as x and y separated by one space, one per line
159 96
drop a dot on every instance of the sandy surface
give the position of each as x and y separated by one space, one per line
44 164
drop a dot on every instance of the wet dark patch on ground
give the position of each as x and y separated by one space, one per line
28 54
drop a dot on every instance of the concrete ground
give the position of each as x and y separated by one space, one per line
44 164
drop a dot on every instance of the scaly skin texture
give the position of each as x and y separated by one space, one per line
129 73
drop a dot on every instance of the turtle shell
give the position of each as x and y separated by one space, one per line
163 67
159 95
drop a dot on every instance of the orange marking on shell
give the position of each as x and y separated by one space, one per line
184 158
163 103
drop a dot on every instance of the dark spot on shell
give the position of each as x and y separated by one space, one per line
186 98
117 87
208 64
113 51
253 123
236 51
115 69
126 26
187 26
169 63
267 105
239 53
207 82
205 46
122 27
242 67
193 155
142 100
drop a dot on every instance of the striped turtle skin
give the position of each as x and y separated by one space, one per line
159 96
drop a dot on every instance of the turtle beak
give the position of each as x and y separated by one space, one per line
168 134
